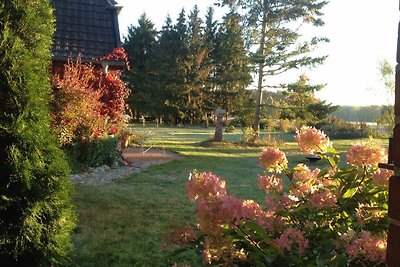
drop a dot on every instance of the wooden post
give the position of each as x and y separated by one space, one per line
393 247
219 113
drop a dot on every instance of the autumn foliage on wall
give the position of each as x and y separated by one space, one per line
87 103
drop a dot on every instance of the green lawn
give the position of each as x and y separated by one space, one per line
123 223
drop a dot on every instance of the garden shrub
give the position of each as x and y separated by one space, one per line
93 153
87 103
330 217
76 106
340 129
127 138
230 129
36 215
249 136
287 125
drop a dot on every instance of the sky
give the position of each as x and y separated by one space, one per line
362 33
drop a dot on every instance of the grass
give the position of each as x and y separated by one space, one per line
124 223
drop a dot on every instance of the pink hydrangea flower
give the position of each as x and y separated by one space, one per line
270 183
213 213
272 222
273 203
290 237
310 139
366 246
304 174
204 185
381 177
251 210
302 189
273 160
323 199
366 154
182 235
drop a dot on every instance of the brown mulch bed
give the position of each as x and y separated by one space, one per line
145 157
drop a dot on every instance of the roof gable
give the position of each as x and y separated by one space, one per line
88 28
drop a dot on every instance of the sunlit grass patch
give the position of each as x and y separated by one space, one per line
124 223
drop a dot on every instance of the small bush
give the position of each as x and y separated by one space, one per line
287 126
82 155
249 136
271 141
87 103
130 139
340 129
329 217
230 129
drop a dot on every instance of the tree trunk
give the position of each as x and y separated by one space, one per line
218 129
256 125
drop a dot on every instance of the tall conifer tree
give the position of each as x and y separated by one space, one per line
300 104
233 69
197 69
36 216
273 30
140 45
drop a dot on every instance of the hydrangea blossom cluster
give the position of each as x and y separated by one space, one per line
310 140
290 237
302 220
381 177
273 160
366 246
204 185
366 154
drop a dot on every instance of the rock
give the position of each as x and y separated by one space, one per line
103 174
114 164
100 169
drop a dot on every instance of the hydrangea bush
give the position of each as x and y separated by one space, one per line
311 217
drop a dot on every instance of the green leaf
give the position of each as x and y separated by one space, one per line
320 261
350 192
332 151
255 228
339 260
334 161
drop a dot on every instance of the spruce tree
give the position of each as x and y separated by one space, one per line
197 70
169 70
141 45
273 28
299 103
233 71
36 216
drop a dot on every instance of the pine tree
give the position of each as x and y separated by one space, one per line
210 39
233 71
140 45
273 30
197 69
36 216
299 103
169 71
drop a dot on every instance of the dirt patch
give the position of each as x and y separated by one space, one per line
145 157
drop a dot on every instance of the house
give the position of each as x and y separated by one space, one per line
87 29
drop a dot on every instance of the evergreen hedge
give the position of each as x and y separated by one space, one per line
36 215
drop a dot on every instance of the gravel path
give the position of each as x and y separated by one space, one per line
136 162
103 174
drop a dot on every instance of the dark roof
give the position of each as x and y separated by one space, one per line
85 27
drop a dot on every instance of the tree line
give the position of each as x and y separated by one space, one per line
359 113
183 72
